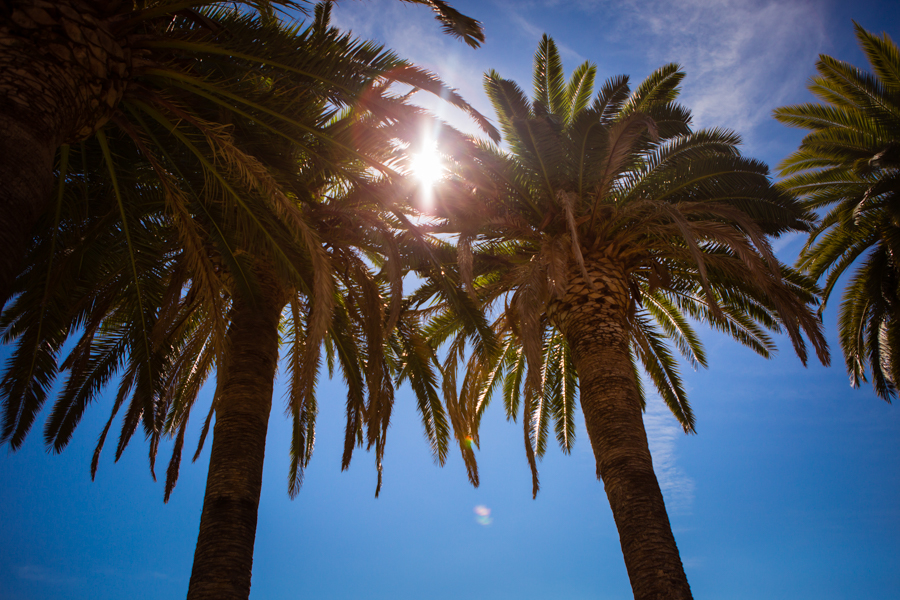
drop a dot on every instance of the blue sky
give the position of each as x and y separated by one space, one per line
787 492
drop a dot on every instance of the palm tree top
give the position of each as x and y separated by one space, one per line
620 179
848 169
218 208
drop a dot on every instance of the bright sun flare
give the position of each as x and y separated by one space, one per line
427 166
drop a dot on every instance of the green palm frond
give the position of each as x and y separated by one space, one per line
883 56
578 91
676 327
509 101
549 81
561 390
840 169
454 23
419 361
613 95
301 401
660 365
660 87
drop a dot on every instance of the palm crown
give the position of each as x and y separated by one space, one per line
70 67
210 213
169 186
623 179
607 226
849 167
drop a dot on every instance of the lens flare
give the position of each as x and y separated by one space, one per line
483 515
427 166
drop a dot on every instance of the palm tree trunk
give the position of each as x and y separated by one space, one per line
594 323
62 75
26 170
224 555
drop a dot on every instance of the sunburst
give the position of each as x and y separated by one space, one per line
427 166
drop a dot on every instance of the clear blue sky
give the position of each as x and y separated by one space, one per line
789 491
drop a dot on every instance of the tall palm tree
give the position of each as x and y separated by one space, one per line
67 67
313 76
170 251
137 305
849 166
361 324
606 227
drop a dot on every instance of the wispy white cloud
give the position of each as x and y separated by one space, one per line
136 575
692 562
787 246
412 33
662 432
45 575
742 57
534 32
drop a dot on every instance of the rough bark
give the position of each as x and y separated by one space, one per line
26 170
594 322
224 555
62 73
62 70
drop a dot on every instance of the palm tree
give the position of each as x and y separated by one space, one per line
360 322
180 137
116 288
606 226
67 67
171 251
849 166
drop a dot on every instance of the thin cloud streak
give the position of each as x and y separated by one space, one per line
533 32
742 59
662 432
412 33
45 575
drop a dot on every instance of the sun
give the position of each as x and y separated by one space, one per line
427 166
